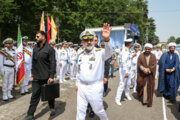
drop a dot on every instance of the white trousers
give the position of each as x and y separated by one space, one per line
134 79
124 84
8 79
27 76
57 70
62 70
157 71
92 94
68 68
72 68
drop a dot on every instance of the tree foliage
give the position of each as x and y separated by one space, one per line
178 40
73 16
171 39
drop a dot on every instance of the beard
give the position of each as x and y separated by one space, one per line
147 53
39 41
89 47
171 51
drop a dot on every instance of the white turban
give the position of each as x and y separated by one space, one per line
172 44
148 45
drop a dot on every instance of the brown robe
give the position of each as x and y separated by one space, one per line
142 78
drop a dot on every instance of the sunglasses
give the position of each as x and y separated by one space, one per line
37 36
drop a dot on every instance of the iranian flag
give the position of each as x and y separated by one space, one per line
20 58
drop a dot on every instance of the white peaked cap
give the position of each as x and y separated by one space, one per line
148 45
128 40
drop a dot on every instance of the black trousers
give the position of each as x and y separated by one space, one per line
105 86
35 98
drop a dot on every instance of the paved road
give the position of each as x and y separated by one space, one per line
66 106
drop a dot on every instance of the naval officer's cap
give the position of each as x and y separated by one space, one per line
87 34
8 41
75 45
129 40
137 45
25 38
70 43
65 42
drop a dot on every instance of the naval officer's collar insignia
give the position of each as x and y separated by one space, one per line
98 49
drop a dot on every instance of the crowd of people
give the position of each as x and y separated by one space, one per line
90 66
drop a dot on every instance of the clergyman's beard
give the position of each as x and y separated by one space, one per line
171 51
147 53
89 48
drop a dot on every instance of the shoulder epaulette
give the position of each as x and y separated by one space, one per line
131 51
98 49
126 49
81 52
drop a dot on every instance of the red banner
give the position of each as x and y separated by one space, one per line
48 29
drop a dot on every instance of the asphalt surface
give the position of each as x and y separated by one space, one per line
66 106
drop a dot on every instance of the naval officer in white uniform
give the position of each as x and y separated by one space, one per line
89 84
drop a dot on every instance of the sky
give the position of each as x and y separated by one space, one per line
167 17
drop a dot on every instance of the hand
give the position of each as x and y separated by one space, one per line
168 70
2 72
145 71
105 80
76 88
50 80
126 75
172 70
105 32
32 75
134 55
60 64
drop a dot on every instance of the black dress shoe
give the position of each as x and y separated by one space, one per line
167 97
29 117
23 93
104 94
6 100
27 92
52 112
91 114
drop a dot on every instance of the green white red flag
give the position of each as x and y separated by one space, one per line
20 58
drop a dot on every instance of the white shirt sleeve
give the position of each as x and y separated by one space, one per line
1 64
108 51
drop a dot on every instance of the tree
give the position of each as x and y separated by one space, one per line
74 16
6 10
171 39
178 40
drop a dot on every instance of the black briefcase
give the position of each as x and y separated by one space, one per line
49 91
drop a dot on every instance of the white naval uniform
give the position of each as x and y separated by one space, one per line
27 68
62 58
68 65
134 70
125 67
80 50
158 56
72 60
57 66
7 68
90 81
